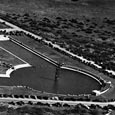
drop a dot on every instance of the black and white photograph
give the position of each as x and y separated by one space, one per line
57 57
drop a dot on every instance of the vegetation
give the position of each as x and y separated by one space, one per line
34 109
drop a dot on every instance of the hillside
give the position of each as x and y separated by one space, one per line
98 8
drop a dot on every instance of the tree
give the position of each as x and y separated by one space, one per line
66 105
30 102
12 103
32 96
57 104
16 96
20 103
